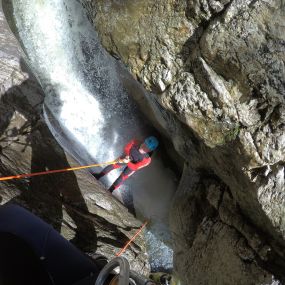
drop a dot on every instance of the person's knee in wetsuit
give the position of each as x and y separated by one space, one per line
127 172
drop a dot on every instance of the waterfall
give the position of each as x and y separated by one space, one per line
87 107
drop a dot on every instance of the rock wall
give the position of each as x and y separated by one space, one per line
75 204
217 71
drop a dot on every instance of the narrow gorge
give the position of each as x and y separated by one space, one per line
208 75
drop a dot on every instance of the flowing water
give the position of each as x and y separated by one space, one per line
87 107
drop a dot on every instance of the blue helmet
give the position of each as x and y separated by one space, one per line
151 143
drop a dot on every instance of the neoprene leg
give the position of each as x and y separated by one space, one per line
107 169
127 172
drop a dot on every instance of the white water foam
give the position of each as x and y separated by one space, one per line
87 102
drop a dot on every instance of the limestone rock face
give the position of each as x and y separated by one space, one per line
217 71
75 204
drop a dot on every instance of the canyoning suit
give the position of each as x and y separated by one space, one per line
137 161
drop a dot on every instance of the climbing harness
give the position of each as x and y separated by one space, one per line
20 176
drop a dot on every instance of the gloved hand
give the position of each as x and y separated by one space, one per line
125 159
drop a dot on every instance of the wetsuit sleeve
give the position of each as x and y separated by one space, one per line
136 166
128 146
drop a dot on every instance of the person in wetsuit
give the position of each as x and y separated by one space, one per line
135 157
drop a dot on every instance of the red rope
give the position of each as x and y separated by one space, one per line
132 239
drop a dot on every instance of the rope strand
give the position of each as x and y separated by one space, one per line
20 176
132 239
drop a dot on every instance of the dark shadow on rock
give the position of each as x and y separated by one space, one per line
44 195
190 47
128 201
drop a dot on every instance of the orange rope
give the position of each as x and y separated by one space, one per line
132 239
53 171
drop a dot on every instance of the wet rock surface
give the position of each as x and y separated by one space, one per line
74 203
217 71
